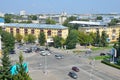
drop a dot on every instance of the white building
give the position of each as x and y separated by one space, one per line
23 12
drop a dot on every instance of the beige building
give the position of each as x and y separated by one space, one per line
112 31
35 29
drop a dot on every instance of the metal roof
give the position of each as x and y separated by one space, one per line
41 26
88 23
2 20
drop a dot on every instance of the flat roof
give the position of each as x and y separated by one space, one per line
41 26
2 20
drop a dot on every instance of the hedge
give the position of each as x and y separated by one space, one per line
108 63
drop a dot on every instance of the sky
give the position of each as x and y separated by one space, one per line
59 6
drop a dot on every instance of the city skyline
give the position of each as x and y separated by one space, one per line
58 6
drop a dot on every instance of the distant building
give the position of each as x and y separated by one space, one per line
2 21
1 14
88 23
23 12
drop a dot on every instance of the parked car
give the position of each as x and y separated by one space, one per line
73 75
12 52
44 53
102 54
59 56
28 50
75 69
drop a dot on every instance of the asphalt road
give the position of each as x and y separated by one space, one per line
50 68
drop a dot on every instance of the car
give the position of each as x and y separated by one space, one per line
12 52
28 50
59 56
73 75
43 53
102 54
75 69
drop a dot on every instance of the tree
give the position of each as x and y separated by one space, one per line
8 40
8 18
99 17
6 64
85 39
97 39
113 22
103 39
72 39
25 38
50 21
57 41
18 37
42 39
22 74
31 38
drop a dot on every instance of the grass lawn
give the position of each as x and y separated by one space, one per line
101 57
100 48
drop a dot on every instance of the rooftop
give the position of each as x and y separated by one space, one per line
2 20
88 23
41 26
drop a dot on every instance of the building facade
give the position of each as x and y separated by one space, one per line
49 30
111 31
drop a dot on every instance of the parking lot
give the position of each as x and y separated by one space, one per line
50 68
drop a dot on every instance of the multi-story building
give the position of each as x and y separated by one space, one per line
111 31
35 29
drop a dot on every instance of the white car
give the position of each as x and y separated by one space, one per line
43 53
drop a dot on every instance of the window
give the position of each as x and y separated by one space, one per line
59 33
49 33
113 31
11 30
26 31
17 30
32 31
41 30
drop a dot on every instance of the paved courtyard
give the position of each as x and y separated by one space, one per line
50 68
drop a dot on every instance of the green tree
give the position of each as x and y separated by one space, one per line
19 37
6 64
57 41
31 38
25 38
72 39
113 22
103 39
93 36
8 40
21 75
50 21
8 18
99 18
42 39
85 39
98 39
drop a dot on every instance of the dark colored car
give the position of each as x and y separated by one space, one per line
73 75
12 52
75 69
59 56
28 51
102 54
